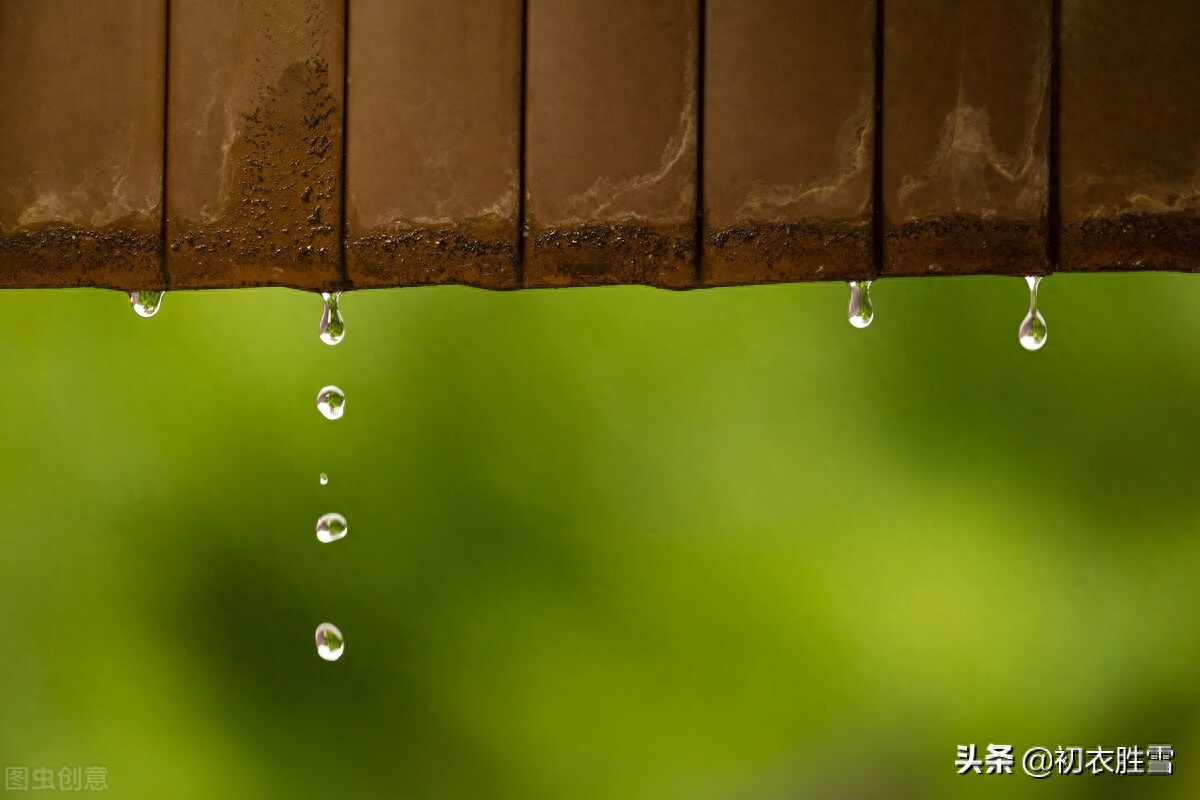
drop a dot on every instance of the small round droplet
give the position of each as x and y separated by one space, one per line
330 643
331 401
324 479
331 527
333 328
1033 332
146 304
861 311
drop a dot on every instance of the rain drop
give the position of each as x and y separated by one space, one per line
324 479
861 311
146 304
330 643
331 401
333 328
331 527
1033 331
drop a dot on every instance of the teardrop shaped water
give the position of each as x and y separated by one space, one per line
146 304
324 479
333 327
861 311
330 642
331 527
331 402
1033 333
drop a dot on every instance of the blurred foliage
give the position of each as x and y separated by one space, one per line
606 543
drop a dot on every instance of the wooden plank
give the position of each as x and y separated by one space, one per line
965 139
788 140
1130 135
254 167
611 153
433 142
81 136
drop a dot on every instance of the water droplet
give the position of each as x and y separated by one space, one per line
331 401
330 643
331 527
333 328
324 479
861 311
146 304
1033 331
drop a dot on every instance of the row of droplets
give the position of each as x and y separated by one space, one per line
1032 334
331 402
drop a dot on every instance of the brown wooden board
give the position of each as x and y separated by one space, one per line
81 137
611 149
789 112
1130 126
254 149
966 122
433 142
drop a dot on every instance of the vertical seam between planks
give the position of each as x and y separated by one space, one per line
521 135
343 269
701 47
877 155
1054 156
162 245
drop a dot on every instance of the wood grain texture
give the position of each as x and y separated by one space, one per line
511 143
433 142
611 155
789 140
966 132
81 137
254 166
1131 135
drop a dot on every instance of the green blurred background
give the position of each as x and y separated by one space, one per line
605 543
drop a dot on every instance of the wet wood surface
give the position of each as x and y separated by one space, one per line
788 140
335 144
433 142
1130 135
81 142
611 151
254 146
966 120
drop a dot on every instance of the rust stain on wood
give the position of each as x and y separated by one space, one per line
255 144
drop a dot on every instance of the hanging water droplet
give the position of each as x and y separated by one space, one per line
1033 331
146 304
861 310
324 479
330 642
331 401
331 527
333 328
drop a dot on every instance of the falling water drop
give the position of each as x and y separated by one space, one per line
333 327
861 311
331 527
331 401
146 304
324 479
330 643
1033 331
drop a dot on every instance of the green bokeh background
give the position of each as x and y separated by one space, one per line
604 544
